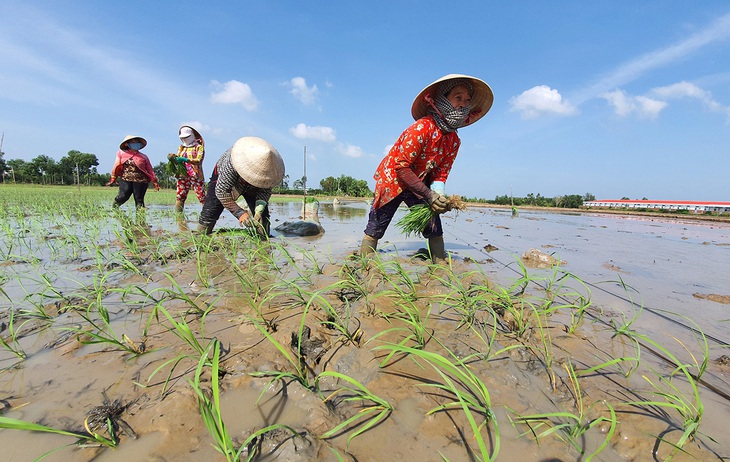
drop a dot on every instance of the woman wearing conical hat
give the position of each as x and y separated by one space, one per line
251 168
416 168
133 171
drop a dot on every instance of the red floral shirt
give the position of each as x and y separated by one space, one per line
424 148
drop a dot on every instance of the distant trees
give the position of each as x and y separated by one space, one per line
345 186
572 201
75 167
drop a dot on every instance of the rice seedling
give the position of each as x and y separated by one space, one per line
339 320
210 409
571 427
467 300
12 343
182 330
178 293
419 216
303 274
301 372
368 416
415 327
102 333
469 392
690 410
82 439
574 301
689 406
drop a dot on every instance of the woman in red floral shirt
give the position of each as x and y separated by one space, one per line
416 168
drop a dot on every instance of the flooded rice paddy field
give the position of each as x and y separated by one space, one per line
620 352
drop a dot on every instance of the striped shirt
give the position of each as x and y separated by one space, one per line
231 186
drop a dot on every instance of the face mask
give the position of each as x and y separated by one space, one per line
135 146
188 141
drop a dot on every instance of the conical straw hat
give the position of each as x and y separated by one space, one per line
258 162
133 137
481 100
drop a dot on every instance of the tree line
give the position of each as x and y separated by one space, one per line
571 201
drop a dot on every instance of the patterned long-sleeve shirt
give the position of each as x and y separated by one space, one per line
422 147
195 155
231 186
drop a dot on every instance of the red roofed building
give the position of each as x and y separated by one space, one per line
691 206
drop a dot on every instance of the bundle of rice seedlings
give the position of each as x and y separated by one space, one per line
173 168
419 215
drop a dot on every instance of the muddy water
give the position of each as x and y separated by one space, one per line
671 266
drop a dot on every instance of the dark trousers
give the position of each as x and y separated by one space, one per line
213 208
129 188
380 218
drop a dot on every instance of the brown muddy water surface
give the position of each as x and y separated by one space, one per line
663 279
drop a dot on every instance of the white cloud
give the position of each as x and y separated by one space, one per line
718 31
350 150
302 92
303 131
649 107
234 92
689 90
625 105
541 100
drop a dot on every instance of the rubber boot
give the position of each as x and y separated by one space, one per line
179 206
436 247
205 228
368 246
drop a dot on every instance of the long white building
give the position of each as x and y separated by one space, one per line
691 206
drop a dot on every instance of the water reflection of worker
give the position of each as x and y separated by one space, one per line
190 153
251 168
416 168
133 171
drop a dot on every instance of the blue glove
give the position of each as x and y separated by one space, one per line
181 160
439 187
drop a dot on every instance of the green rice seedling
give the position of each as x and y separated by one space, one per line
103 333
546 353
210 408
369 416
418 216
82 439
184 332
689 407
469 392
568 426
177 293
11 343
618 363
300 372
303 274
181 329
690 410
576 302
515 312
254 284
415 327
466 300
404 286
626 324
488 342
338 320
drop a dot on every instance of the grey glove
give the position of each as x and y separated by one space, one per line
439 204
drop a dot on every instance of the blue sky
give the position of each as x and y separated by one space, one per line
612 98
